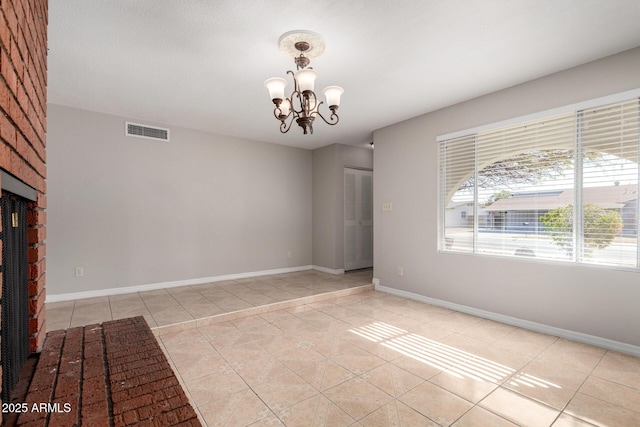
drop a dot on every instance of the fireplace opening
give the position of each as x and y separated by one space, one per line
15 292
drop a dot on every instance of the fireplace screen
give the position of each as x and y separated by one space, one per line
15 310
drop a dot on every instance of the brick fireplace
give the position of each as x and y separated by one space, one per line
23 104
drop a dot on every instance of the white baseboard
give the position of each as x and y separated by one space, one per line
521 323
328 270
175 284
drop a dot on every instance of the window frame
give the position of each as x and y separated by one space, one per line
576 109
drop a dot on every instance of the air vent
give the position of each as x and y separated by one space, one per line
143 131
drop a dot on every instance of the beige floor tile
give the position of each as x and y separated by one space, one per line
620 368
357 360
456 322
249 322
524 341
218 385
261 370
358 397
488 331
170 315
376 348
430 331
599 412
564 374
478 417
284 391
182 338
417 366
126 301
244 352
283 342
291 323
86 314
90 301
238 409
297 358
436 403
196 360
58 318
334 311
315 411
611 392
396 413
199 310
227 337
553 384
393 380
315 317
324 341
473 390
540 389
519 409
571 352
463 343
565 420
323 374
505 362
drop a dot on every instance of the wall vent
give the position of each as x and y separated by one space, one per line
144 131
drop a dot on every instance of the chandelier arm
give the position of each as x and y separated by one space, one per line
333 118
300 97
283 124
295 82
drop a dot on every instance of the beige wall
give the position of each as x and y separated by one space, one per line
600 302
133 211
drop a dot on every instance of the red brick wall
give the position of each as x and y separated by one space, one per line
23 106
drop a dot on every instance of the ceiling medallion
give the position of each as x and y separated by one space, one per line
302 105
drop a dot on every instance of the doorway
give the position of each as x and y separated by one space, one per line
358 219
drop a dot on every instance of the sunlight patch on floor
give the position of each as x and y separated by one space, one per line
449 359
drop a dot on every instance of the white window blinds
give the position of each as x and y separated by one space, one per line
518 186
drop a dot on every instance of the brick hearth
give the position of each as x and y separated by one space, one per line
109 374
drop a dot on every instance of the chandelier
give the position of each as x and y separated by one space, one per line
303 104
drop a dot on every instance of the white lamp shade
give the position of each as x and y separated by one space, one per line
306 79
332 94
276 87
285 107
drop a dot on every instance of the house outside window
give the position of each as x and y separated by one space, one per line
519 186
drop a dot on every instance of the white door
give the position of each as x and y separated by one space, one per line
358 219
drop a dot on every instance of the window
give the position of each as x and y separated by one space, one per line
513 190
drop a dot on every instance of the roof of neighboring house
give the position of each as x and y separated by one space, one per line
453 205
610 197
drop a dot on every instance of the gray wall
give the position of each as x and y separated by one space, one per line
328 200
133 211
597 301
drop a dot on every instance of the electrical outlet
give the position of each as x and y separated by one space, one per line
400 271
289 254
387 206
79 272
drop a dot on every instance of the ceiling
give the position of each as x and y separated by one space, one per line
201 64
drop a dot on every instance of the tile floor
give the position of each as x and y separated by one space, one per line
373 359
171 306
